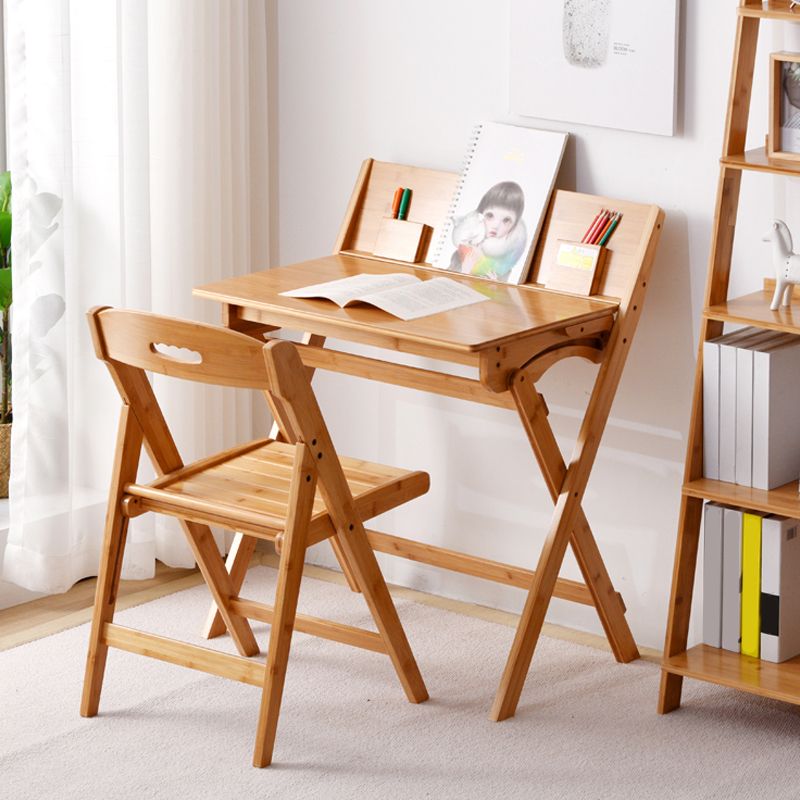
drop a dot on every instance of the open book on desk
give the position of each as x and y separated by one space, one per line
399 294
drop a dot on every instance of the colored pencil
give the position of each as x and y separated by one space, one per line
591 227
601 228
599 224
398 196
611 230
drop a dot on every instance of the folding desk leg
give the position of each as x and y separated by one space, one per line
607 601
566 512
243 546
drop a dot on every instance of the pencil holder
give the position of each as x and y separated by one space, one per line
578 268
402 240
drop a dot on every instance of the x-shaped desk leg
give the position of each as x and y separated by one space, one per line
569 525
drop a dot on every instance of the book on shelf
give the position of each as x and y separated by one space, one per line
500 201
712 574
780 588
751 382
728 349
712 399
751 594
776 427
768 340
732 579
751 583
402 295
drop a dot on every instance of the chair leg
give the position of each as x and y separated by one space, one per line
290 573
237 564
104 604
376 593
126 462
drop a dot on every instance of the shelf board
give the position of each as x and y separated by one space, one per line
753 309
757 160
774 9
778 681
784 500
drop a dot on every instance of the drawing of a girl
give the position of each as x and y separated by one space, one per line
490 240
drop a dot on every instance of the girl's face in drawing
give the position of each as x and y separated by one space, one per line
498 221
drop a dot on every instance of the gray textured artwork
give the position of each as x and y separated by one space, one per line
586 32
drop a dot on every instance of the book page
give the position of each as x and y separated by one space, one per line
424 298
352 289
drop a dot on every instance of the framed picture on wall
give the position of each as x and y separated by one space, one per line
784 114
611 63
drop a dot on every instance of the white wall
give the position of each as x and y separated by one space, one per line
405 82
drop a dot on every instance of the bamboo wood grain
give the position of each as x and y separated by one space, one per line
757 160
315 626
574 484
717 284
286 376
136 391
476 566
513 312
126 463
753 309
736 671
290 574
605 598
524 327
184 655
265 487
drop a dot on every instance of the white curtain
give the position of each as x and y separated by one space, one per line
138 153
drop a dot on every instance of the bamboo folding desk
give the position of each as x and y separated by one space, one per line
511 341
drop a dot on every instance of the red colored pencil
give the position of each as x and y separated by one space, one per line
602 232
591 227
601 223
595 225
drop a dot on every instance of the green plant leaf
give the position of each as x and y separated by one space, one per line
5 230
5 191
5 288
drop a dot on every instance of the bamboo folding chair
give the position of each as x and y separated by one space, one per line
296 493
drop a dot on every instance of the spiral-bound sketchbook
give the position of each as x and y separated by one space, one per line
500 202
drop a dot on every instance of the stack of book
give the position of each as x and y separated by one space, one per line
751 595
751 385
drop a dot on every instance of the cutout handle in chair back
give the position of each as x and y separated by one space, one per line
182 349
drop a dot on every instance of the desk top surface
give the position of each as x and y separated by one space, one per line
514 311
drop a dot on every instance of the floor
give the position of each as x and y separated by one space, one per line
48 615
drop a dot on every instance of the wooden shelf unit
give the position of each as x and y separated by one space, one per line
781 681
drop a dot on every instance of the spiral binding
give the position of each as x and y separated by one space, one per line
447 228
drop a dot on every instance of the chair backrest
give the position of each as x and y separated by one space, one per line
130 342
193 351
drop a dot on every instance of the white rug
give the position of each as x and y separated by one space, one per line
586 726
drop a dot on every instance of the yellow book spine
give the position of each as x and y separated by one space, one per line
751 585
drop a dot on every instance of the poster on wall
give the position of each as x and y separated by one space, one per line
610 63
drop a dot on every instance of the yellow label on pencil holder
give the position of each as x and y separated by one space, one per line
578 256
577 268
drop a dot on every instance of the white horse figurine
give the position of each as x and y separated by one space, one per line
785 262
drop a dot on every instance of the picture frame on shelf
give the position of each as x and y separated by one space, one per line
783 141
